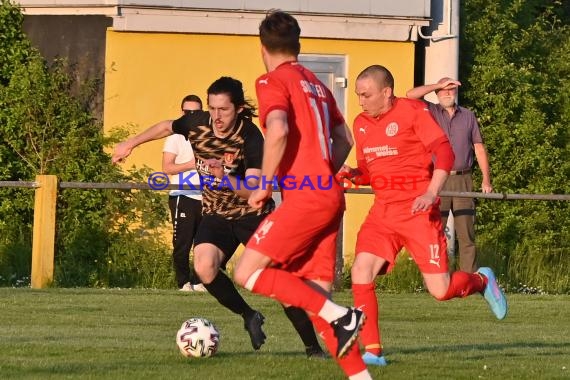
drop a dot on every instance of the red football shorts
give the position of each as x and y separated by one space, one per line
390 227
300 237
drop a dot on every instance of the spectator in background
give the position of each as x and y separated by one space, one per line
185 204
461 127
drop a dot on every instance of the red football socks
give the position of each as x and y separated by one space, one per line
463 284
365 299
289 290
352 362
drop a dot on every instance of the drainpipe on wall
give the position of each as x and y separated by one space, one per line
442 60
442 43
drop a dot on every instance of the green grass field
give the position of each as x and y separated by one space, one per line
130 334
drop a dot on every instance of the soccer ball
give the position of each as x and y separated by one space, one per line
198 338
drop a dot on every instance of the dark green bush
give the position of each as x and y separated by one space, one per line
104 237
516 78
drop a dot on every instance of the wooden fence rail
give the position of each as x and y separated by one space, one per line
45 200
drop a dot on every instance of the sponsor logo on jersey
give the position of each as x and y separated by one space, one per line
392 129
262 81
229 158
379 151
202 166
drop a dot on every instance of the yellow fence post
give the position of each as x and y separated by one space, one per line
43 244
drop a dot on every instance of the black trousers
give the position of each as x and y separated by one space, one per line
186 214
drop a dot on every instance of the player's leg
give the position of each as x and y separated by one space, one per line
444 286
425 239
363 274
274 235
462 284
244 228
215 244
194 209
251 273
351 364
304 327
423 236
376 250
318 271
181 240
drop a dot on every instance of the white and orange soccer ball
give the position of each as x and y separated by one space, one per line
198 338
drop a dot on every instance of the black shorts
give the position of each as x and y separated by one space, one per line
227 234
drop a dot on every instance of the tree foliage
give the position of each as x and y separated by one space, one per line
103 236
515 68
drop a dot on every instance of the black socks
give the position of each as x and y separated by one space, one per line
224 290
304 327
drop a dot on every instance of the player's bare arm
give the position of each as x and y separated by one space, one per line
342 143
157 131
243 188
444 158
170 167
346 172
273 150
424 201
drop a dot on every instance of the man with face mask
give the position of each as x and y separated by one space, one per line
461 127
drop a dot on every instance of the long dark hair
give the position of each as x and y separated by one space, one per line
234 89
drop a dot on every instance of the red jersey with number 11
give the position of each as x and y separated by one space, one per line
312 113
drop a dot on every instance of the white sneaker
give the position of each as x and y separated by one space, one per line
199 288
186 288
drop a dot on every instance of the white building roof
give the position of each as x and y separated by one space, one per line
387 20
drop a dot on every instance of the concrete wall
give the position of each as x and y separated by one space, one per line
79 39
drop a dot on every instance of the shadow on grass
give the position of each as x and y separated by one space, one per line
262 353
484 347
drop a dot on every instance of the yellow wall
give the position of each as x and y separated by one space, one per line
147 74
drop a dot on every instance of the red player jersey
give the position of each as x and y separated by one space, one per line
312 113
394 149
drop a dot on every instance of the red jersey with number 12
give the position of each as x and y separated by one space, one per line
312 113
395 148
